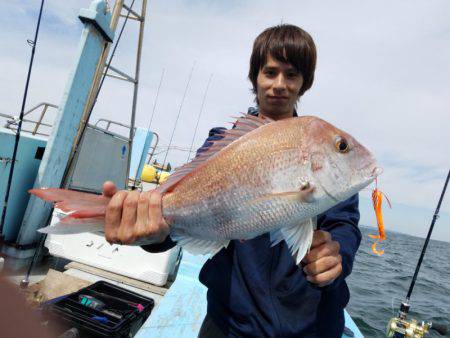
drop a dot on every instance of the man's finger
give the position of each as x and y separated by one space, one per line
327 249
113 215
322 265
142 211
326 277
320 237
129 213
109 189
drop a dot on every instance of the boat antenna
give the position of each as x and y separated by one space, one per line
199 115
398 326
33 44
178 117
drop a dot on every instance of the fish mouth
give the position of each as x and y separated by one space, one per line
371 171
372 175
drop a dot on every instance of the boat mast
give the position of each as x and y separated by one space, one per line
106 69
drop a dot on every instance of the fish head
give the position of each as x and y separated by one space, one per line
340 165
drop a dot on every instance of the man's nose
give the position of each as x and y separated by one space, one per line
279 83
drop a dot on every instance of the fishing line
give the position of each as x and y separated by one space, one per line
199 115
178 117
33 44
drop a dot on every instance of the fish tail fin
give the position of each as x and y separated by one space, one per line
82 212
71 201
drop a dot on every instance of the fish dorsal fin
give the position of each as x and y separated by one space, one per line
243 125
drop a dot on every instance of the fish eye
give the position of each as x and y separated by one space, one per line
341 145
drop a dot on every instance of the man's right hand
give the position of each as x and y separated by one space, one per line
134 215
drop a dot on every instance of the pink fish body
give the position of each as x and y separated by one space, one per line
263 176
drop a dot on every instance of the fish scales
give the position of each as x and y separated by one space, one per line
264 158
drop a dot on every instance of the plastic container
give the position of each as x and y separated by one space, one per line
123 314
126 260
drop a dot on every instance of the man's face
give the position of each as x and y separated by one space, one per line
277 87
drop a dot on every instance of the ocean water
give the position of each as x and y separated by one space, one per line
378 284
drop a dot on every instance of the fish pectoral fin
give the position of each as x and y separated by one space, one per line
298 238
199 246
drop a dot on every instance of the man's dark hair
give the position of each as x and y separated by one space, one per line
288 44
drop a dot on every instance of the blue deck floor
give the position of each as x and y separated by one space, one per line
180 313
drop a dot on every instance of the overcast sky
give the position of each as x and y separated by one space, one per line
383 75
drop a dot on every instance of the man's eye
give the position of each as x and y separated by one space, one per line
269 72
292 75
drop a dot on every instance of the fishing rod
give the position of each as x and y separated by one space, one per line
400 326
133 187
156 99
33 44
178 117
199 116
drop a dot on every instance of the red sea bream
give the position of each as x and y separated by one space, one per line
263 176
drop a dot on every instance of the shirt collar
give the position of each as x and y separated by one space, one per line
255 111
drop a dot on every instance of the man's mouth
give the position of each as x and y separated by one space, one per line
277 98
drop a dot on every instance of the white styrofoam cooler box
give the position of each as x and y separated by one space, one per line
130 261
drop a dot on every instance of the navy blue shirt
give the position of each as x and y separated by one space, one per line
255 290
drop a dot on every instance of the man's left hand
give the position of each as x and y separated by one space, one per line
323 263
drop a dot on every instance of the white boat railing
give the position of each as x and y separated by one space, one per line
12 120
110 123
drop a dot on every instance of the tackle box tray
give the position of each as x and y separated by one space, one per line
120 315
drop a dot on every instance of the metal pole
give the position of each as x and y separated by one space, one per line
19 127
136 86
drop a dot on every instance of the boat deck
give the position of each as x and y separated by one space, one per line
181 311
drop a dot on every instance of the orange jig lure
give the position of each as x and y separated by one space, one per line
377 199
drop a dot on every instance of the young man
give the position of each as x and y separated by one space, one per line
255 289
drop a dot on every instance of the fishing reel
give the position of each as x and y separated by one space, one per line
401 327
